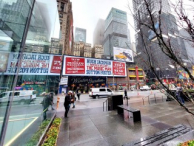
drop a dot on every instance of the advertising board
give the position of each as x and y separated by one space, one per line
121 54
34 64
81 66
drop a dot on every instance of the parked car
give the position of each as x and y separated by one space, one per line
21 96
145 88
97 92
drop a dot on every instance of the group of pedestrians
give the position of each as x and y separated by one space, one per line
70 99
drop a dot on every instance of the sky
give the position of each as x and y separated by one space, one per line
86 14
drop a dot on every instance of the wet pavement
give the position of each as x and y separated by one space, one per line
88 125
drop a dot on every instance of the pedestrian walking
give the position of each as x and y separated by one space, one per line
67 102
51 100
78 93
180 95
46 102
125 94
73 99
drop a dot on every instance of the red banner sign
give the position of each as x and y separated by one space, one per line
119 68
75 65
56 64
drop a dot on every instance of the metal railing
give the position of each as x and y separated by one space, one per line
149 97
106 101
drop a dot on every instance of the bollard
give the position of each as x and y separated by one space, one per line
58 99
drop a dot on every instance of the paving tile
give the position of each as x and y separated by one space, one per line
103 120
80 124
109 129
161 126
84 135
63 138
98 142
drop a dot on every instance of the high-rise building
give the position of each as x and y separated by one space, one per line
80 35
116 31
66 25
169 30
98 35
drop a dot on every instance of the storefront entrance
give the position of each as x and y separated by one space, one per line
85 83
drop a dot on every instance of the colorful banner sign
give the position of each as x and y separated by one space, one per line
33 63
121 54
56 64
75 65
92 67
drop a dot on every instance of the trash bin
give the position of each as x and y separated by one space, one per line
114 100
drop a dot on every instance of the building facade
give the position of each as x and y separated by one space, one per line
80 35
87 52
66 25
97 51
169 28
116 31
98 35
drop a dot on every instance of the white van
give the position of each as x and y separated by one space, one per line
96 92
22 96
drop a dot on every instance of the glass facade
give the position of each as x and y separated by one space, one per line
26 72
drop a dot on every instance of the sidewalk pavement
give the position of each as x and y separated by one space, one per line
88 125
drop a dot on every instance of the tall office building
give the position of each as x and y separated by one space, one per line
98 35
66 25
169 29
116 32
80 35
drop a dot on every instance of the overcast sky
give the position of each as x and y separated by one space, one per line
86 14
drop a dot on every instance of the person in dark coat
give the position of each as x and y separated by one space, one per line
46 102
51 100
179 95
125 94
67 102
78 93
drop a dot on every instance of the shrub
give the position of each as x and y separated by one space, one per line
52 134
35 138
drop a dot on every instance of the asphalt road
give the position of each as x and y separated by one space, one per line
21 118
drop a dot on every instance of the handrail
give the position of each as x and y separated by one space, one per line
143 98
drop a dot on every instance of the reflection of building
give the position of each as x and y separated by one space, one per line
98 35
56 47
97 51
80 35
66 25
116 31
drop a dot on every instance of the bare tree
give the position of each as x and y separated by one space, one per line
157 34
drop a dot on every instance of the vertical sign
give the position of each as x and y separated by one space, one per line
56 64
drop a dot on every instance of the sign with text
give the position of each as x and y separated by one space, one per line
92 67
33 63
56 64
74 65
119 68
